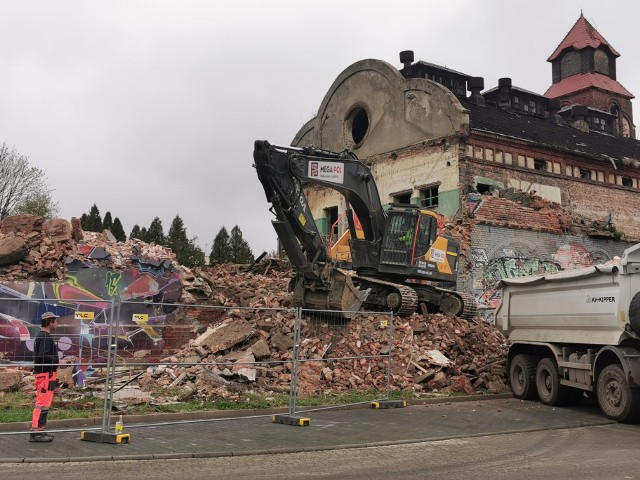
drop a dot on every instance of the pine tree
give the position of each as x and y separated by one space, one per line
221 250
118 231
107 223
240 251
143 234
155 233
193 256
177 238
135 232
187 252
93 221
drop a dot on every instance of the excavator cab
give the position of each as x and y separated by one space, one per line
413 245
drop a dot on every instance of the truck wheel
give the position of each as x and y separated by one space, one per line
522 376
634 313
548 384
616 400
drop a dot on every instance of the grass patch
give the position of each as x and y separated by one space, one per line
18 407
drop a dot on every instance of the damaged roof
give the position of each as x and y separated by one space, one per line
544 133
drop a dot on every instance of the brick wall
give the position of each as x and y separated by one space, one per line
596 200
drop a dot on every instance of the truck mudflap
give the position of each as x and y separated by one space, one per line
339 294
629 360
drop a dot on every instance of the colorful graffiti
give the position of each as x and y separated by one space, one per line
88 301
519 259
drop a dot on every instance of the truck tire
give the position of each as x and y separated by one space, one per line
548 384
634 314
522 376
616 399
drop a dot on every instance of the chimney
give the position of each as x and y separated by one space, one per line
406 58
579 117
553 107
504 92
475 86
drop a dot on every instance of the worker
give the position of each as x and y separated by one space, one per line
45 369
407 238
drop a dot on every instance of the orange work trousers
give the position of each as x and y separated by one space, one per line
46 383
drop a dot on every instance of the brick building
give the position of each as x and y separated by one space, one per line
540 182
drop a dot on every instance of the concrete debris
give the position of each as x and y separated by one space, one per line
10 379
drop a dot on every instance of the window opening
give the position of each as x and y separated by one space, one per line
331 214
404 198
429 197
484 188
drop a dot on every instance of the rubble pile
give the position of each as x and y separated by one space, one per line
238 350
247 345
32 248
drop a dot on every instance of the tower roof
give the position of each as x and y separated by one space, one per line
581 35
576 83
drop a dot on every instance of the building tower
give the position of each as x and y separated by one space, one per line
584 73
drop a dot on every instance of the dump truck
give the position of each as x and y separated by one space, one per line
576 332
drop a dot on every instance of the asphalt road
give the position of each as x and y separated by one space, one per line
595 452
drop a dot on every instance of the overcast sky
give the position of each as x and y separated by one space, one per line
150 108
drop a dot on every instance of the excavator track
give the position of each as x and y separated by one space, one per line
467 305
408 296
470 308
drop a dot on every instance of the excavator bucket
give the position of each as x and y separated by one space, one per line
342 296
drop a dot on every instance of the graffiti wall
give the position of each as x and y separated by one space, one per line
87 302
498 252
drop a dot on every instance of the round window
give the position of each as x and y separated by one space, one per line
357 126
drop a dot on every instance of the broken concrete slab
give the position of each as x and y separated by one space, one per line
224 336
12 249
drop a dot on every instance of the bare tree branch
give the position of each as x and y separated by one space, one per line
21 184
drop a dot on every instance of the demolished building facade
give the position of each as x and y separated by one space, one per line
531 183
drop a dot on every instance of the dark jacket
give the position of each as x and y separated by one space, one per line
45 353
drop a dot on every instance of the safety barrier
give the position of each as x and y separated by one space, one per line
181 351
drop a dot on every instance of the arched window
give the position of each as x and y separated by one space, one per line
626 129
570 64
601 62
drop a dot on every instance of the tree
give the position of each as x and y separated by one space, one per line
221 250
21 184
107 223
39 204
187 252
118 231
155 233
93 221
135 232
240 251
193 256
143 234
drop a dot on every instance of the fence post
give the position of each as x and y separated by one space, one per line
105 436
291 418
106 408
293 391
387 402
390 355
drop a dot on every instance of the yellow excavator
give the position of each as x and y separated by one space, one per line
397 259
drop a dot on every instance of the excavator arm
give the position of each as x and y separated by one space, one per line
281 170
